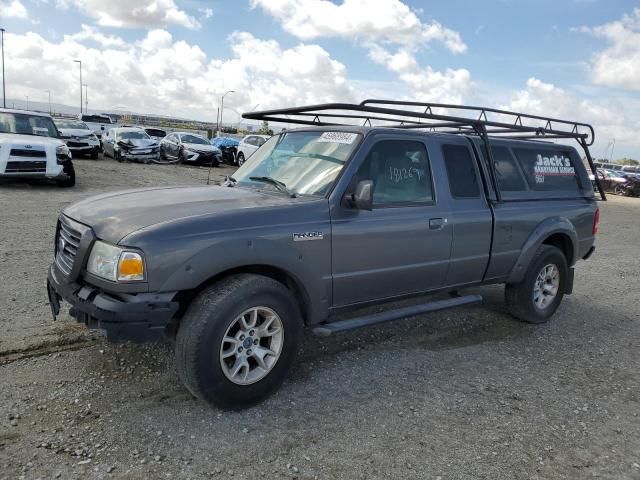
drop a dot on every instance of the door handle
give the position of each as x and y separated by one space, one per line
437 223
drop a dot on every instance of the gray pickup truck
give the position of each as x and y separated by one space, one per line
322 221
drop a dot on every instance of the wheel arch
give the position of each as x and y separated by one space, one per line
279 274
558 232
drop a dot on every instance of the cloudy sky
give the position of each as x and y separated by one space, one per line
578 59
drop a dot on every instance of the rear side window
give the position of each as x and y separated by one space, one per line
463 179
548 170
509 176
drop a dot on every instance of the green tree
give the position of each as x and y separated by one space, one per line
264 129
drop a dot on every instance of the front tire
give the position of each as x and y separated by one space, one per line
238 340
240 159
536 298
70 173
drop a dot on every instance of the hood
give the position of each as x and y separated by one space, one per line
200 147
17 139
115 215
139 142
75 132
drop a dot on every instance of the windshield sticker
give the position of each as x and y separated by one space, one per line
41 131
552 167
338 137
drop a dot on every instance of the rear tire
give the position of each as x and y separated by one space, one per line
521 297
211 318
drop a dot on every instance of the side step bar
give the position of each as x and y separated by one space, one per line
328 329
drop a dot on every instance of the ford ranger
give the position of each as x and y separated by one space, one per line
324 220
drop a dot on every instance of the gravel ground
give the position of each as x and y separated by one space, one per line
27 222
467 393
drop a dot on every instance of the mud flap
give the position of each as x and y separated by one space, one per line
569 287
54 300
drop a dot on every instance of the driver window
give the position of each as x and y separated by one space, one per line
400 172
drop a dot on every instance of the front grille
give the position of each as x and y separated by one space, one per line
67 243
26 152
77 144
36 166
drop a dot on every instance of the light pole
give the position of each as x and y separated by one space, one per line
80 62
27 97
4 93
222 108
86 98
49 92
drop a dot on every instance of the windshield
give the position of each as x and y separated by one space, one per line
75 124
155 133
193 139
25 124
135 135
306 162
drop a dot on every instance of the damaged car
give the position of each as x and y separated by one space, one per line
188 147
130 144
80 139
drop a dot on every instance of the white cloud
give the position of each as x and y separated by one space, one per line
13 8
206 12
607 117
386 21
379 27
163 76
619 64
93 34
424 84
134 14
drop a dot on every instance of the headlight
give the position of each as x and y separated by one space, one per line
115 263
62 152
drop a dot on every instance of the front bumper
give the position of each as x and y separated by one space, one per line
139 157
85 149
136 318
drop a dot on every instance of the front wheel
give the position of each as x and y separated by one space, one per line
240 159
70 174
620 190
162 158
536 298
238 340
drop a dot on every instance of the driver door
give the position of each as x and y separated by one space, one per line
403 245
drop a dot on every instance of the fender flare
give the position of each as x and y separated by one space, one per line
550 226
245 253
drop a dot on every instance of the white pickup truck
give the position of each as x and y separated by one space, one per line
99 123
31 147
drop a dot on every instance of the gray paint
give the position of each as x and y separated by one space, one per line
191 234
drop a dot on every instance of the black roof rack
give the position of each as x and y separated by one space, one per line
438 117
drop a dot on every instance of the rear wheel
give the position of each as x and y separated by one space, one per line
238 340
538 296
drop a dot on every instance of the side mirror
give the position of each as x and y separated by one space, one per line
362 198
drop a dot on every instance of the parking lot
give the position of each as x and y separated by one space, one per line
467 393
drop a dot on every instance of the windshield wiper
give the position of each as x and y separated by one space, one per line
276 183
